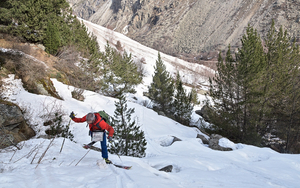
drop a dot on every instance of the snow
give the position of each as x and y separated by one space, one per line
191 73
194 164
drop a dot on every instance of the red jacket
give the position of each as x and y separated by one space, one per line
93 126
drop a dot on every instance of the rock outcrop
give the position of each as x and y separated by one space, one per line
13 126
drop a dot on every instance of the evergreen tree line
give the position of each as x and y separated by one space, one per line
51 23
169 96
256 91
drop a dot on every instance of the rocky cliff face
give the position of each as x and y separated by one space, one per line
13 126
190 27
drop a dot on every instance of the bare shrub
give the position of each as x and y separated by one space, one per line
69 54
49 109
140 67
44 153
143 60
52 114
78 94
146 103
22 47
119 46
74 75
109 34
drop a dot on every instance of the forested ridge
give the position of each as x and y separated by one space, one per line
48 22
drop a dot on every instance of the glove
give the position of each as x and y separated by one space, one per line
110 139
72 115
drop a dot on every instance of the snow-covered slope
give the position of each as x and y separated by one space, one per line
195 165
191 73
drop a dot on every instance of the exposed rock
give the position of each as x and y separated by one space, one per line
277 147
190 27
11 116
13 126
161 113
41 47
168 141
168 168
203 113
175 139
214 143
202 137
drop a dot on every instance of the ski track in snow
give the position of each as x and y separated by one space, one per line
117 175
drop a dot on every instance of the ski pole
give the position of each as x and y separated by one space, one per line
83 157
120 158
65 136
117 153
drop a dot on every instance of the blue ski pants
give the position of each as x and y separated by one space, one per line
104 146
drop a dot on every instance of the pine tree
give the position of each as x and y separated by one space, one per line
52 39
182 106
129 139
194 95
119 73
224 94
250 61
32 17
234 91
161 89
5 18
282 86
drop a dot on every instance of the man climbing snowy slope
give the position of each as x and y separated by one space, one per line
98 127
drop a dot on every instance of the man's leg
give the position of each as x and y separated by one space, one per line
104 147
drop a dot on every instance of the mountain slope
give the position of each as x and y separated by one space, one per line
192 74
193 163
192 27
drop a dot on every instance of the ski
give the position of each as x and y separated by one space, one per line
99 150
122 166
91 147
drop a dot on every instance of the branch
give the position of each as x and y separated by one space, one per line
45 152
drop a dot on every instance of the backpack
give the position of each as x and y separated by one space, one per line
105 116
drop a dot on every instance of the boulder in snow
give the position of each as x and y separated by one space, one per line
169 141
214 143
168 168
202 137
